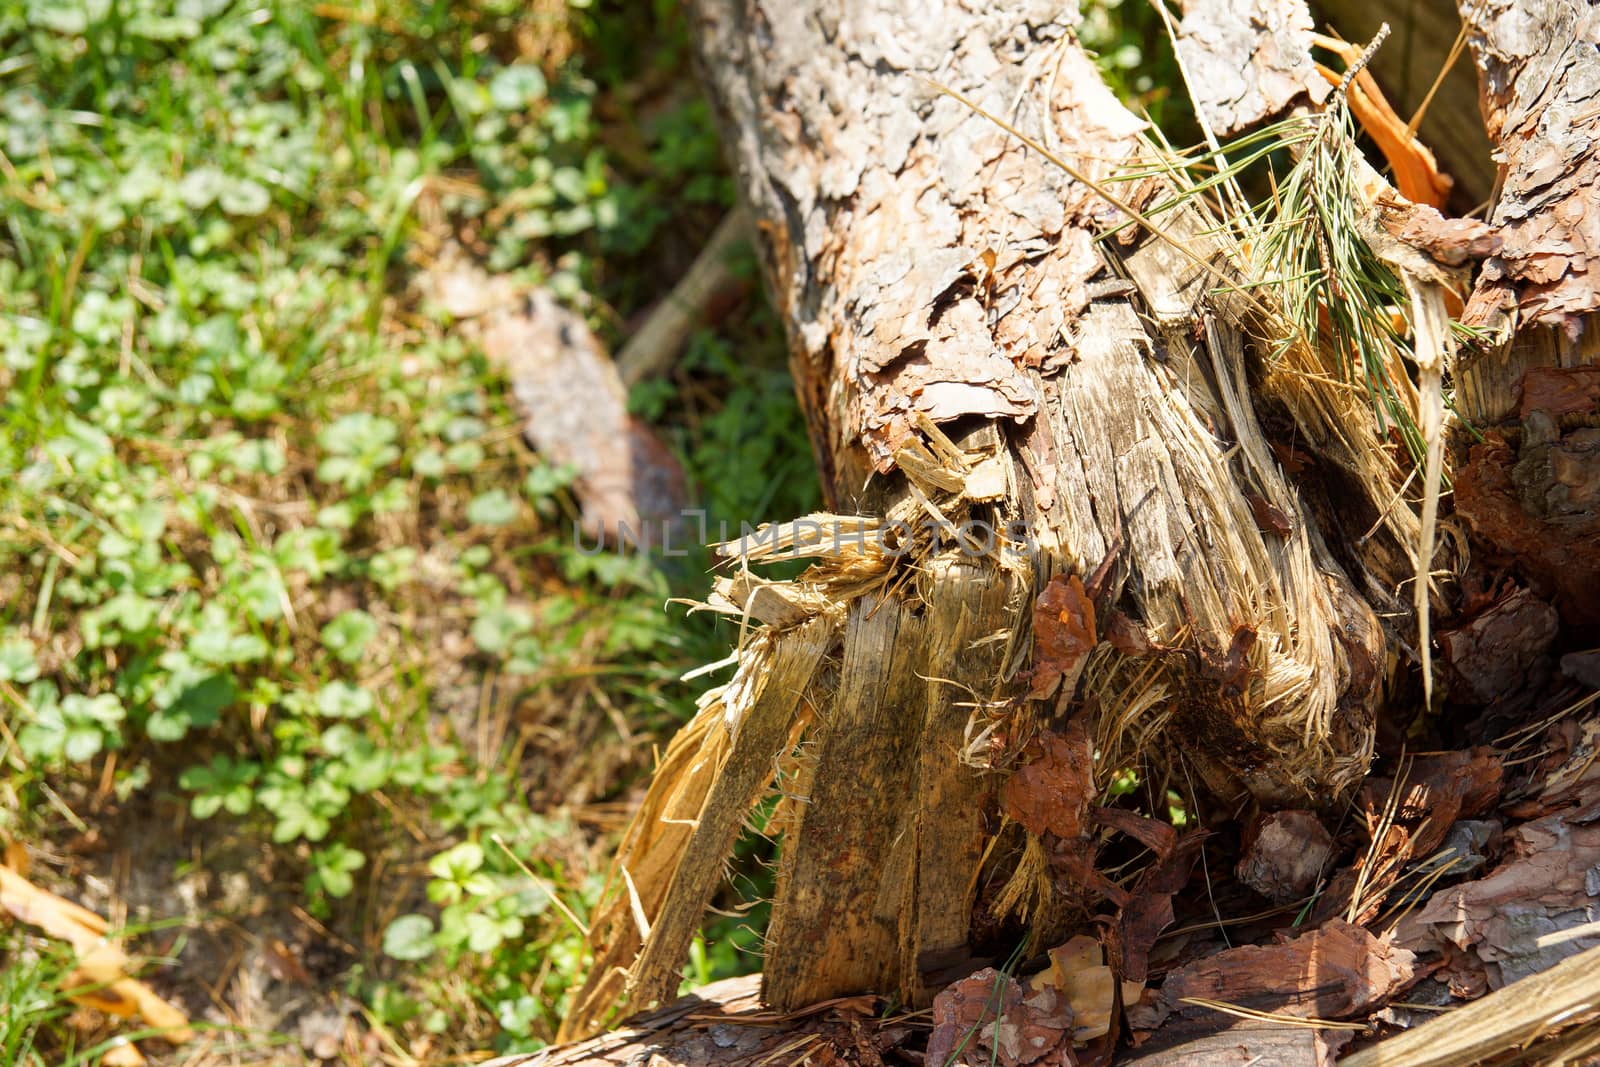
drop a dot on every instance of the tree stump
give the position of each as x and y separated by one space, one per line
1058 466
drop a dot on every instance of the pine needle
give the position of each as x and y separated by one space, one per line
1276 1018
1329 277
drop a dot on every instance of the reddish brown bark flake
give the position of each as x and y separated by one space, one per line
1559 391
1434 792
1448 242
1540 504
1284 853
991 1018
1063 634
1339 971
1499 928
1442 789
1052 790
1498 653
1149 909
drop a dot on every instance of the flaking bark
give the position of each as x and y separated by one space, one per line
933 270
1530 479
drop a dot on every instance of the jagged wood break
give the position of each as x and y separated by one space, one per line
965 348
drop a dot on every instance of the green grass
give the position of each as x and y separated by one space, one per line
271 551
31 1001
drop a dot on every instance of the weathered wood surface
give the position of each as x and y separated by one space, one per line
1108 399
1510 1018
932 269
1531 487
725 1025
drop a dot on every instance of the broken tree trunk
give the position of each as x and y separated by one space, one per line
1064 535
1530 485
1526 389
935 271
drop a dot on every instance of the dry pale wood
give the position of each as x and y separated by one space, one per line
725 1025
848 861
1506 1019
758 738
934 270
963 659
1248 1044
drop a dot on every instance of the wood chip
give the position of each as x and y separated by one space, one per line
1339 971
1284 854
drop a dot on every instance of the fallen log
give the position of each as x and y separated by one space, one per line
934 270
1062 434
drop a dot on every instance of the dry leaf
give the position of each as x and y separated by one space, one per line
102 966
60 918
1269 518
126 1054
1078 970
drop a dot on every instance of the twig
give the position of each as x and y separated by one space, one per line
652 349
1362 60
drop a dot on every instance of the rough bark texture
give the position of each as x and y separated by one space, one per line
1106 400
1540 91
1530 487
1247 62
933 270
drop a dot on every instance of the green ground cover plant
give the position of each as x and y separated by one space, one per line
281 588
296 647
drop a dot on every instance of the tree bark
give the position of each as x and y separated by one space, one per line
1530 487
969 350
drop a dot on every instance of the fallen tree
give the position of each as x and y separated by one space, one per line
1120 504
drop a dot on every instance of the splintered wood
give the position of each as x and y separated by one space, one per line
100 979
923 287
1099 516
